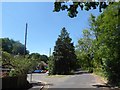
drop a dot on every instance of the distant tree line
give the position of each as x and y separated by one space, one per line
12 57
12 47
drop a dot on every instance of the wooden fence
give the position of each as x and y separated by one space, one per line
14 82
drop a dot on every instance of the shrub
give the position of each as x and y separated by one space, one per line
21 65
113 71
18 63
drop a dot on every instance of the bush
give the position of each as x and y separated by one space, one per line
5 59
113 71
22 65
18 63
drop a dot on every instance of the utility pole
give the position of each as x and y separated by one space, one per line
25 48
25 39
50 52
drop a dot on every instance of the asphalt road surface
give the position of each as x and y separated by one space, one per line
79 80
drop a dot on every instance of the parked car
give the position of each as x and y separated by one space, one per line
37 71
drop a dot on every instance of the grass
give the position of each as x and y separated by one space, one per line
101 75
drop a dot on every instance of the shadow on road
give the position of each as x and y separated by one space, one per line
37 84
99 86
81 72
106 87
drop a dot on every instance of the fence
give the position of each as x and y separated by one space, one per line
14 82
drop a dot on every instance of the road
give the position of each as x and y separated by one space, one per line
77 81
81 80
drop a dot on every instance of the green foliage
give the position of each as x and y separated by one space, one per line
6 59
22 65
64 58
72 8
12 58
18 48
113 70
105 46
12 47
84 51
44 58
18 64
6 45
13 73
112 41
51 66
35 56
38 57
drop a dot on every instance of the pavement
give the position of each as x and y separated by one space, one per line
81 79
34 79
36 85
42 80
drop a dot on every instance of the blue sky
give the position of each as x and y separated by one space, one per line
44 25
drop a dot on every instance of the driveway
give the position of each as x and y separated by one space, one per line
79 80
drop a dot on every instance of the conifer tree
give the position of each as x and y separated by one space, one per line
64 58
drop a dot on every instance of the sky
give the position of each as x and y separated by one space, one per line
44 25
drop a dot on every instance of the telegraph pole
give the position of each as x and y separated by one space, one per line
25 48
25 39
50 52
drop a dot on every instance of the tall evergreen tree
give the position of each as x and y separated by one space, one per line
64 58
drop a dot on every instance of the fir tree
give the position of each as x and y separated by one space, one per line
64 58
